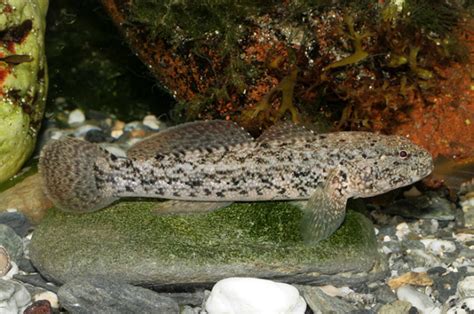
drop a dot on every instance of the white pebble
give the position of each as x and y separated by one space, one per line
151 122
402 230
116 133
49 296
463 306
12 272
83 129
419 300
438 247
466 287
254 296
76 117
117 151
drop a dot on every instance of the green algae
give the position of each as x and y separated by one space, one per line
243 232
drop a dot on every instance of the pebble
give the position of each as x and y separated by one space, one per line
5 264
439 247
466 287
11 242
17 221
13 297
50 297
152 122
418 299
76 117
321 302
461 306
39 307
253 295
101 295
395 307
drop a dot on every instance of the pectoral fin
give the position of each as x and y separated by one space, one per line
324 212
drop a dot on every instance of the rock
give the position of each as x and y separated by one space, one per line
438 247
426 206
23 84
37 281
13 297
76 117
395 307
48 296
320 302
27 197
84 129
39 307
410 278
254 296
96 136
461 306
16 221
419 300
466 287
11 242
445 283
132 243
25 265
100 295
5 264
151 122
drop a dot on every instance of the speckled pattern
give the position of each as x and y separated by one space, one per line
287 162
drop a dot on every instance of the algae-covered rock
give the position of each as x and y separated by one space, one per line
130 242
23 80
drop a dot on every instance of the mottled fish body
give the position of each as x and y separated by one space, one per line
218 161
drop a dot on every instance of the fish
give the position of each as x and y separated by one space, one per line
218 161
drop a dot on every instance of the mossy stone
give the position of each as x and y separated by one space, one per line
129 241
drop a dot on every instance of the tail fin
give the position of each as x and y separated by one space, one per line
67 168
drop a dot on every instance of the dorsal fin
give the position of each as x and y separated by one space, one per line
284 131
190 136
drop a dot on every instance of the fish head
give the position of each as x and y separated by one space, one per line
381 163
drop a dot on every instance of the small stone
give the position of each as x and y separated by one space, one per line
27 197
84 129
39 307
151 122
25 265
402 230
137 133
395 307
419 300
114 150
438 247
100 295
134 125
76 117
427 206
13 297
466 287
321 302
48 296
37 281
96 136
462 306
17 221
5 263
411 278
253 295
11 242
117 129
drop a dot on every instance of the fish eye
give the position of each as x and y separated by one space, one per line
403 154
